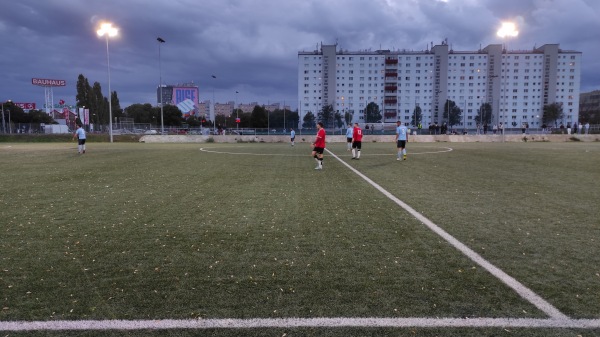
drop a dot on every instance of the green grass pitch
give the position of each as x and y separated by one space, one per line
251 230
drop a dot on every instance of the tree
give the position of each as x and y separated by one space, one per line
98 104
372 113
455 113
84 92
339 122
259 118
308 122
417 116
326 115
348 116
144 113
172 115
484 115
116 105
552 113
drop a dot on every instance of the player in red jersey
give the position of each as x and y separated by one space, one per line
319 146
357 135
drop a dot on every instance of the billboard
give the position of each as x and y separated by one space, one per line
186 99
48 82
26 106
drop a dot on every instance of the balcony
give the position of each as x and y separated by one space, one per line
391 61
388 115
391 101
390 74
391 87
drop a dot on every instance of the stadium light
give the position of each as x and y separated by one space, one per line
507 30
107 30
160 87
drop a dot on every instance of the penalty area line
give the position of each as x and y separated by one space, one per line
510 281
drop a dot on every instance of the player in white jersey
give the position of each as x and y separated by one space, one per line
401 140
349 132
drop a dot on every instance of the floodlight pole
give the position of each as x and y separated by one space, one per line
107 30
162 124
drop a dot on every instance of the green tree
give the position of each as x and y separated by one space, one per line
308 122
259 118
552 113
372 113
326 115
484 114
416 117
84 92
455 113
172 115
339 121
116 105
143 113
348 116
98 104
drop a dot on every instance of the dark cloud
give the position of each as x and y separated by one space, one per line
251 46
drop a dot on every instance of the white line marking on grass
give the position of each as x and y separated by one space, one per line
208 150
339 322
517 286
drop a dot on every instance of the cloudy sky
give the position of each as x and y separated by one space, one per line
251 46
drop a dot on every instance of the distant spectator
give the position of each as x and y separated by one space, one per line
587 128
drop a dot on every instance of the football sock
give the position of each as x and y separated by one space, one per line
358 154
353 153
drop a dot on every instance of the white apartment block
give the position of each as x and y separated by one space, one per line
517 84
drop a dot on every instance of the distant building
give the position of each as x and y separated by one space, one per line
589 101
517 84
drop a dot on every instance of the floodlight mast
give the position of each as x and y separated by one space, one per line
107 30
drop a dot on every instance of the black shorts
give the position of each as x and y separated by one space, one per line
292 139
348 139
401 144
81 141
357 145
319 150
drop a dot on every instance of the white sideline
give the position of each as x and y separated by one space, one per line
517 286
338 322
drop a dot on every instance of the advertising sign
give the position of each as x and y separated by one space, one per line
186 99
48 82
26 106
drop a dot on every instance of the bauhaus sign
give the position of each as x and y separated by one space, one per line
48 82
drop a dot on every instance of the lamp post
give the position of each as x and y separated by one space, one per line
237 116
3 121
107 30
507 30
214 114
162 123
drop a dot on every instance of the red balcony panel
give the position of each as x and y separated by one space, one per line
391 74
391 61
391 87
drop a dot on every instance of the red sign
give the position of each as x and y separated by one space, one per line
26 106
237 120
48 82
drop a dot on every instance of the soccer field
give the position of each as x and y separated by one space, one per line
463 239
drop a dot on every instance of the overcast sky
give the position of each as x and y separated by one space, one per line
251 46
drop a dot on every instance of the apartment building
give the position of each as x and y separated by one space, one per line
516 83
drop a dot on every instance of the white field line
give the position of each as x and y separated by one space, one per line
208 150
351 322
517 286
